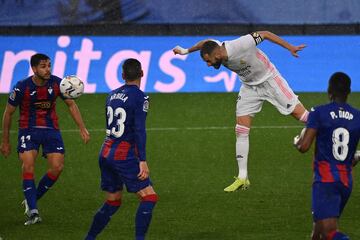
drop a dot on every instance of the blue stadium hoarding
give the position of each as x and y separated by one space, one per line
97 60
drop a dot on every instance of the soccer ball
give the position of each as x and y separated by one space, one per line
71 87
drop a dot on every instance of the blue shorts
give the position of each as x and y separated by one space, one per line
329 199
116 173
49 139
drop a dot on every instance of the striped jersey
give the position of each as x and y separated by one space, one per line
338 133
126 111
36 103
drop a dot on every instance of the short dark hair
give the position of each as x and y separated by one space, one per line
339 85
208 47
132 69
37 58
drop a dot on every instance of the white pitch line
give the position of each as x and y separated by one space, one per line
185 128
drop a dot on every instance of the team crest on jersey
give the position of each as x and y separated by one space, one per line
12 95
50 90
146 106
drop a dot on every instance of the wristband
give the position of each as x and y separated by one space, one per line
183 51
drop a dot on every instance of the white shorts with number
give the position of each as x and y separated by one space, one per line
274 90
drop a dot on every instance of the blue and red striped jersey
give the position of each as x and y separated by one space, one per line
126 111
36 103
338 133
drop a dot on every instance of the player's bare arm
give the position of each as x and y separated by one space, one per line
278 40
76 115
144 170
183 51
5 146
305 139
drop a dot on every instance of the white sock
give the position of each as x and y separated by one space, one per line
242 149
304 117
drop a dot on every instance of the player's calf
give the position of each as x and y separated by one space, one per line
144 215
102 218
335 235
30 192
242 149
46 182
300 113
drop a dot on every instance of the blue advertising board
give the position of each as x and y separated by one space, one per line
97 61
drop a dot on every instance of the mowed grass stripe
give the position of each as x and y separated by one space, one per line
182 128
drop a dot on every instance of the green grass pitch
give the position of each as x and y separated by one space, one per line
190 153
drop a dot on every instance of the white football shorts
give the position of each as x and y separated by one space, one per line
274 90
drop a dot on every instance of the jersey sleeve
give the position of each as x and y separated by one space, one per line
313 119
256 37
141 109
241 44
16 95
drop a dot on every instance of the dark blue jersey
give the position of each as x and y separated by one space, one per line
126 110
338 133
37 104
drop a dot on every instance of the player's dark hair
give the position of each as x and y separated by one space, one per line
37 58
208 47
132 69
339 86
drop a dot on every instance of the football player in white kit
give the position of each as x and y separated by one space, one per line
260 81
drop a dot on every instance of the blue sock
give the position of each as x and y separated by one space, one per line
102 218
45 184
335 235
30 191
143 216
340 236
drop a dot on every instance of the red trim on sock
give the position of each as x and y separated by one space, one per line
150 198
331 235
115 203
27 176
52 177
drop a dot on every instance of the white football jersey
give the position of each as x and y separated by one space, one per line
250 63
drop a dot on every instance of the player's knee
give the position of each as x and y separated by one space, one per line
113 196
241 131
56 169
150 198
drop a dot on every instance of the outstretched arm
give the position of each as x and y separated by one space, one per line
278 40
76 115
183 51
5 147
